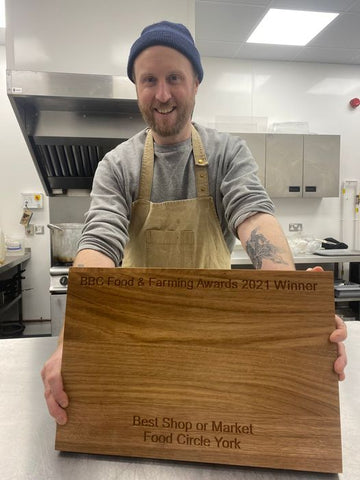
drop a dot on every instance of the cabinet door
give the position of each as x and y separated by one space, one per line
321 165
284 165
256 144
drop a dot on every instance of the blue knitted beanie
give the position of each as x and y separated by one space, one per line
173 35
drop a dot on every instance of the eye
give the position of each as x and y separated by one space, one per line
148 80
174 78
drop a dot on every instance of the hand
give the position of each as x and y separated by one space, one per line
55 397
337 336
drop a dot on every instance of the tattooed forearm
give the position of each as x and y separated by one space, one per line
259 248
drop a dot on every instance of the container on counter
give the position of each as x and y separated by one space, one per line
14 245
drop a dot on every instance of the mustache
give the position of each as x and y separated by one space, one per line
163 105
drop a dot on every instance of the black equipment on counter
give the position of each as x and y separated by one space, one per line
331 243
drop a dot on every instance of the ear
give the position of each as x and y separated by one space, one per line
196 83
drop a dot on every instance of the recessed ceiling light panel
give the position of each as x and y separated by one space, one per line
290 27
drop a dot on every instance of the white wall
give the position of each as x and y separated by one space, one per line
315 93
292 92
18 174
83 36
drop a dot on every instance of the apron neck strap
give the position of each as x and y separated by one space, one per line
147 167
201 164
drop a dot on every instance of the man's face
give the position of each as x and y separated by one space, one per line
166 86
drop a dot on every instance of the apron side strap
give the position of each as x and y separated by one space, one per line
201 164
147 168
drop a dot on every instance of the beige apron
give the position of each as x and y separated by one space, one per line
175 234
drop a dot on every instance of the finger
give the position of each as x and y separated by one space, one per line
55 384
340 333
340 362
315 269
54 408
54 393
52 379
340 322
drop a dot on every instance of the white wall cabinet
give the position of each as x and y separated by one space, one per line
284 165
321 165
294 165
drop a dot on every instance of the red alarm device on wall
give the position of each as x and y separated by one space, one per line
355 102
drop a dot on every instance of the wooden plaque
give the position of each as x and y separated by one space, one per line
220 366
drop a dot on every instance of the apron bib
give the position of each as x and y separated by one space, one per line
175 234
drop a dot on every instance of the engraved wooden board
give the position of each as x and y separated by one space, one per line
220 366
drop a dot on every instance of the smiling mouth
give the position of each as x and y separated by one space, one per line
165 111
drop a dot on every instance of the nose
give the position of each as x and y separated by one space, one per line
163 94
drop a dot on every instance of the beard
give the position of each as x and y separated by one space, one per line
167 127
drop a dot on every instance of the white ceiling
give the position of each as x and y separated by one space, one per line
223 26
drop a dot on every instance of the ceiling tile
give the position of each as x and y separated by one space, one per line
238 2
355 7
343 32
217 49
232 23
223 26
314 5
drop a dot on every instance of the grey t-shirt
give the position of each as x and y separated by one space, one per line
233 184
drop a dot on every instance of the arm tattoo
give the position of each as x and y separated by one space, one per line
258 248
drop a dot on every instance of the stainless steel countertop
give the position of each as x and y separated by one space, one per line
239 257
27 432
12 261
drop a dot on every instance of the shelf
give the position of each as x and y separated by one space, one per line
11 278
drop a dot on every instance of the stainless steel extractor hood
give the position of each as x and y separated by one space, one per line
69 122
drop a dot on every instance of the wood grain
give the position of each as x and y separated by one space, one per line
219 366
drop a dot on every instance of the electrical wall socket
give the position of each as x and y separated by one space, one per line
39 229
295 227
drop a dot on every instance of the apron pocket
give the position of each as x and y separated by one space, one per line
170 249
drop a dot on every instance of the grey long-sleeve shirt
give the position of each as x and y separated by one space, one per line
233 184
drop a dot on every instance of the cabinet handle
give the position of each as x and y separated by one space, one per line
294 188
310 189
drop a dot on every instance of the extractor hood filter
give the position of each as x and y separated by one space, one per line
69 163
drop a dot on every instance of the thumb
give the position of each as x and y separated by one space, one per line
315 269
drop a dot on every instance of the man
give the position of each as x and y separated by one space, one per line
178 194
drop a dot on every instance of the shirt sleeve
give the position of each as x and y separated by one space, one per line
242 192
107 221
